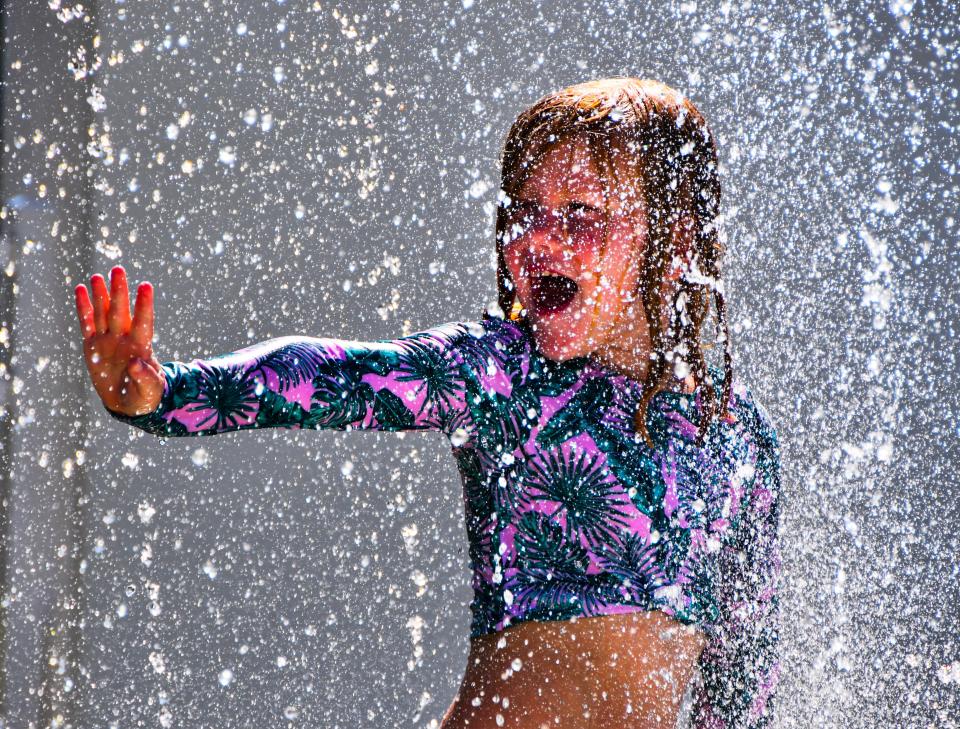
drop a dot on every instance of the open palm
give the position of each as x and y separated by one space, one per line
125 374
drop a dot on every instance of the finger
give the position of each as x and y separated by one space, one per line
143 315
119 319
84 311
101 302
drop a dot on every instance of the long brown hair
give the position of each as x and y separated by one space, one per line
676 159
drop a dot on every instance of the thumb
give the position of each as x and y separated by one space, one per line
145 384
141 373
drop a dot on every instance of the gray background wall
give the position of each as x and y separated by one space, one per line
282 167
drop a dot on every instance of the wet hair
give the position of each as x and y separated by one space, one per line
668 144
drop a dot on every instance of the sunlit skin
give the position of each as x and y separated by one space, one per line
626 671
117 348
605 319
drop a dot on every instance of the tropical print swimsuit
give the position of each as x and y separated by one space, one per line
568 511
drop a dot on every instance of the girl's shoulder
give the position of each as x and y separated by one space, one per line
489 332
488 328
493 346
483 349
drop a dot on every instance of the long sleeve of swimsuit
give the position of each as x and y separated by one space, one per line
740 665
411 383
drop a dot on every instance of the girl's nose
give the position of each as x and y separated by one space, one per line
545 247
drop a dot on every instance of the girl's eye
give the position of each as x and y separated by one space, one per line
521 216
581 218
578 219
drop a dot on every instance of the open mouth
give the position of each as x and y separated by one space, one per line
552 292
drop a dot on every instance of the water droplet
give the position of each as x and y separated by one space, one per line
458 437
200 457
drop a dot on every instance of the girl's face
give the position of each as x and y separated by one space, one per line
556 226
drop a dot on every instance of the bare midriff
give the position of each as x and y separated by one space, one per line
628 670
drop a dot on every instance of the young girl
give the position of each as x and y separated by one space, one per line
621 494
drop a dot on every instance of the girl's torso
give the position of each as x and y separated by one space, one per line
598 561
569 512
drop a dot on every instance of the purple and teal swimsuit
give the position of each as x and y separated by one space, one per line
568 511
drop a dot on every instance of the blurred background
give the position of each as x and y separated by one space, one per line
330 169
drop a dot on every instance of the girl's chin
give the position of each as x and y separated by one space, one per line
559 346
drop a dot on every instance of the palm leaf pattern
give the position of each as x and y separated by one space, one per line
636 564
461 429
551 576
504 348
479 509
390 413
425 365
293 363
340 397
504 424
225 396
583 493
511 491
487 607
594 410
183 386
554 378
276 411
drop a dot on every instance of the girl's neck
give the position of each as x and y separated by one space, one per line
633 368
637 371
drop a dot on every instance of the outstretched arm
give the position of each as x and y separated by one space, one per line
415 382
411 383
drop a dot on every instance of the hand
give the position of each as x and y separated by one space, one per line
125 374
